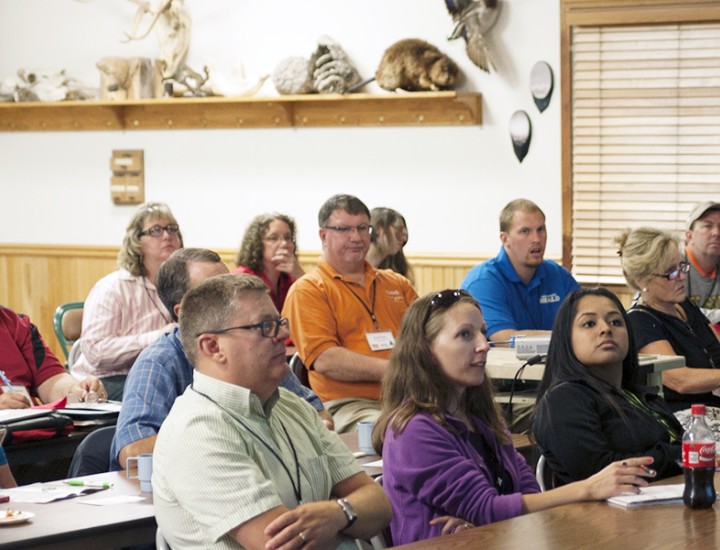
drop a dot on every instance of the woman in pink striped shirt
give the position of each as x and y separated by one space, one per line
123 313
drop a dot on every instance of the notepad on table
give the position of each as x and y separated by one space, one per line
654 495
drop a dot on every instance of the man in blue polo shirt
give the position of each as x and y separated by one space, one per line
518 290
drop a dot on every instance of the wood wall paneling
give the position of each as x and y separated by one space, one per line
35 279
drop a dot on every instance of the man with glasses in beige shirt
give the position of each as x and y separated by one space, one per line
239 460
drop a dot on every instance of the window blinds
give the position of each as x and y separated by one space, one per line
645 134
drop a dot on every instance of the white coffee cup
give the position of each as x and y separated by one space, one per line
144 470
364 430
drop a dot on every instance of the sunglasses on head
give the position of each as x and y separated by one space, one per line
445 299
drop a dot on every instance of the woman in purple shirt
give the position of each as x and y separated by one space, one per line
448 459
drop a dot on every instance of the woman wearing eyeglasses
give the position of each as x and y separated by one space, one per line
268 251
448 459
123 313
665 321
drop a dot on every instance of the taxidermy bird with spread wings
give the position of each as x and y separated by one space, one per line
474 18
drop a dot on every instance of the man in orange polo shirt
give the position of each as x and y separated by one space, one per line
345 315
703 254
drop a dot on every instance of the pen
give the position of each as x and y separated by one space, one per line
80 483
6 380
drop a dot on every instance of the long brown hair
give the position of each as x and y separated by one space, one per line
415 383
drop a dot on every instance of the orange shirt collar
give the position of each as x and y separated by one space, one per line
692 260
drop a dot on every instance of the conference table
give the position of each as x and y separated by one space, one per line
593 525
70 525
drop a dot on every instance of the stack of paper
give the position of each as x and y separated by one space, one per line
651 496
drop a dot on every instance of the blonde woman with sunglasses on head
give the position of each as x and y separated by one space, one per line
665 321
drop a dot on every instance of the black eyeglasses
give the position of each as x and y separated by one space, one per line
268 329
362 229
683 267
157 230
445 299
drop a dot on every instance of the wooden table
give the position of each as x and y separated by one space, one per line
351 442
593 525
67 524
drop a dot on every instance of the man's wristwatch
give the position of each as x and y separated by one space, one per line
348 511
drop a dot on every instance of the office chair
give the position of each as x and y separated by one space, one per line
93 455
67 323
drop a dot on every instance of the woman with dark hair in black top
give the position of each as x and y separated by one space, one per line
592 409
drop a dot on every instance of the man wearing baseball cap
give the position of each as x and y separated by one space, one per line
703 254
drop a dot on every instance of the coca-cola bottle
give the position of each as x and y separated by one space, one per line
698 456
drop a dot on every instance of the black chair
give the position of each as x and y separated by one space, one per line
93 455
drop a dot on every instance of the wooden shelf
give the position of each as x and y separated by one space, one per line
402 109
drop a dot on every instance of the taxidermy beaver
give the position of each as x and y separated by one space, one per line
413 64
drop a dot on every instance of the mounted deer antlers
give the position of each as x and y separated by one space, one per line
172 23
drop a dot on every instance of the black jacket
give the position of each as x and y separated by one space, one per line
580 433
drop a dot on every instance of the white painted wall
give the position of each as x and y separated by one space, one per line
450 183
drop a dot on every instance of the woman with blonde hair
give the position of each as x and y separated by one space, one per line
665 321
268 251
448 459
123 313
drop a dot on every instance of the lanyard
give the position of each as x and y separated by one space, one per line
636 402
371 311
296 489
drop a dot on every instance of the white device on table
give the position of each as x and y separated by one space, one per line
529 346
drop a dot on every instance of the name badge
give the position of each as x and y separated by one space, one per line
380 340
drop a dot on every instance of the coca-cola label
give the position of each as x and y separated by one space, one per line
698 454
